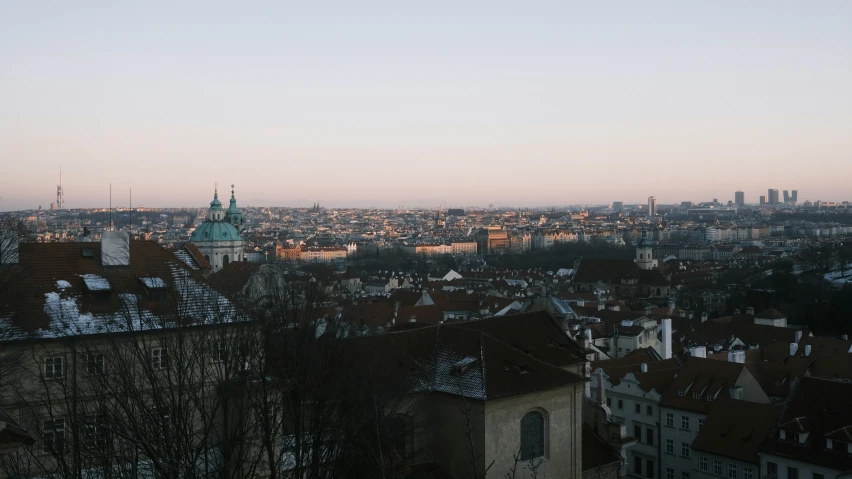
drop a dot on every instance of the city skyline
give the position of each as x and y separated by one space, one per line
405 104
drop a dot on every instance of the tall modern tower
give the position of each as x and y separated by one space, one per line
652 206
795 196
60 194
739 198
773 196
618 206
762 200
786 196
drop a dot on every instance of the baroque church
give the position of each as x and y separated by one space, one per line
218 237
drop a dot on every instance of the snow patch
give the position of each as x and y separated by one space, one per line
62 284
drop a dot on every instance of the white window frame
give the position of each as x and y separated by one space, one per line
747 473
670 446
669 419
684 449
51 371
733 470
99 362
685 423
52 428
159 359
717 467
220 350
703 464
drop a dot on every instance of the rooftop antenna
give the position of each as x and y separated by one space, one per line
110 206
60 196
130 222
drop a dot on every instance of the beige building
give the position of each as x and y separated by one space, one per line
323 254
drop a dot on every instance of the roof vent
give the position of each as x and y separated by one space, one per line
807 350
736 392
644 367
750 311
461 367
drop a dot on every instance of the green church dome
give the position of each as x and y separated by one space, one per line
215 231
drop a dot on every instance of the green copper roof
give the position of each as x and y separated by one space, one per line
215 231
216 205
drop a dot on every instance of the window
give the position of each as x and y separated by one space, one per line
532 436
792 473
620 404
684 423
53 435
53 368
717 467
94 435
94 364
669 473
637 465
684 449
817 476
747 473
609 402
684 475
219 352
700 424
649 410
772 468
696 394
649 468
638 408
702 463
669 446
165 422
669 419
159 359
649 436
637 433
732 470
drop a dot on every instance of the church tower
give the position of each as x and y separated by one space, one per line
233 213
644 253
217 239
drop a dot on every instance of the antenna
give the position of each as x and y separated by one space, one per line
110 206
130 222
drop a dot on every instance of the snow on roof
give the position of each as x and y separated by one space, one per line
62 284
95 282
197 304
153 283
186 258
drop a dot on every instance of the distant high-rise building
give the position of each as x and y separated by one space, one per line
652 206
686 204
786 196
795 196
774 196
618 206
762 200
739 198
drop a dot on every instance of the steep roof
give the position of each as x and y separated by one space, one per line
824 405
705 376
458 361
64 288
596 451
735 429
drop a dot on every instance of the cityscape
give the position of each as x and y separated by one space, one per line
467 241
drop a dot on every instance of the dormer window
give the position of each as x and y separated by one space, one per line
98 287
155 288
710 397
681 392
460 368
696 395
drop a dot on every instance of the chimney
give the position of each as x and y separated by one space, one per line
115 248
667 338
703 317
750 311
807 350
844 337
9 248
736 392
644 367
794 348
601 306
737 356
671 306
581 303
395 311
698 352
736 311
798 336
691 315
682 313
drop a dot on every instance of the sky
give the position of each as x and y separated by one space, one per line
384 104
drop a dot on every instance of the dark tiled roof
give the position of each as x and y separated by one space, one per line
607 271
234 277
535 334
824 404
458 361
770 313
59 270
735 429
702 375
429 314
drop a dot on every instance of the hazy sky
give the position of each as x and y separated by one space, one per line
418 103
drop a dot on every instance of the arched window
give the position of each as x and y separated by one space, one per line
225 260
532 435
